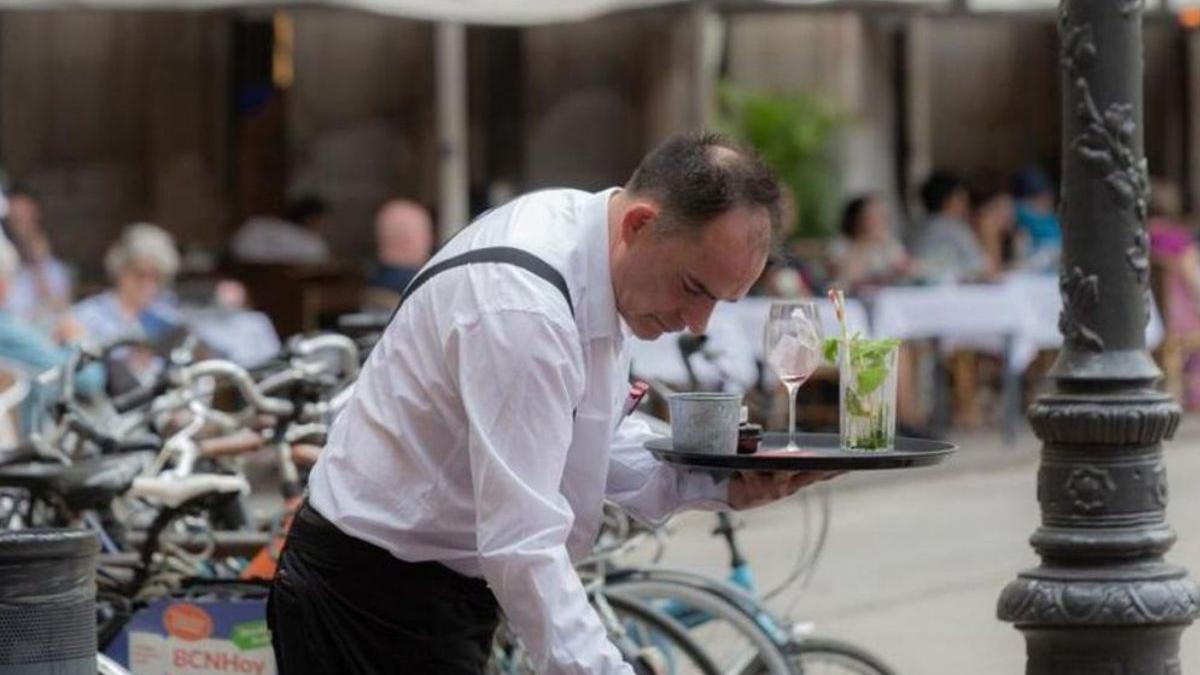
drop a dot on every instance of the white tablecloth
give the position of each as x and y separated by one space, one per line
1023 308
1019 315
734 347
1041 293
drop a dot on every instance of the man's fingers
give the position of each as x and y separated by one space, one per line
758 487
800 480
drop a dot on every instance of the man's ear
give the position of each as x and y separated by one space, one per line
638 220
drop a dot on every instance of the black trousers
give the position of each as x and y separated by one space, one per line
340 605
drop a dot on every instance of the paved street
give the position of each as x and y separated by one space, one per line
916 559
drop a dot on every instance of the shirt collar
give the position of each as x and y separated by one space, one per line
601 318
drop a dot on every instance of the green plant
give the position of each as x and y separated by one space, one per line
793 133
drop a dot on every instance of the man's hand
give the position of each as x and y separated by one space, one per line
748 489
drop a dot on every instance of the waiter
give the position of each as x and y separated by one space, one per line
486 430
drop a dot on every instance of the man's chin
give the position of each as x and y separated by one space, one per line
647 331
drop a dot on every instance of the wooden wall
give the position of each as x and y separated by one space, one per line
993 92
598 95
113 117
116 116
360 117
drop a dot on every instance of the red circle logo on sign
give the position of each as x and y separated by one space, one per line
187 622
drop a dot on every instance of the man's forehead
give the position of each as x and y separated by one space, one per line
731 253
746 228
402 215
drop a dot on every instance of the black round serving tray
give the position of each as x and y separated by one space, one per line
818 452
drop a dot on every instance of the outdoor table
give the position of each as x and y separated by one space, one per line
1040 292
992 315
735 342
1014 319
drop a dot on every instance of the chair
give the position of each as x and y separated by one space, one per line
1177 346
299 298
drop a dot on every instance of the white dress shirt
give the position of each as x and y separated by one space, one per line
265 240
483 433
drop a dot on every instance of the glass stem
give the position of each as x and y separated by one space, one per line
792 389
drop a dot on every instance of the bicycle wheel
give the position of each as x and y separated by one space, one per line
732 638
820 656
660 638
106 666
639 629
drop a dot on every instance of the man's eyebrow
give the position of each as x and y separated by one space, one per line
702 288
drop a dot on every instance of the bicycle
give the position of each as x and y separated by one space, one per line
754 639
649 639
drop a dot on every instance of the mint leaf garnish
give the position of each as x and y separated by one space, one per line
869 379
831 349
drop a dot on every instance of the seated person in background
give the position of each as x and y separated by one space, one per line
947 248
404 241
868 253
23 346
1037 222
786 275
228 328
1173 246
141 264
40 291
992 221
293 240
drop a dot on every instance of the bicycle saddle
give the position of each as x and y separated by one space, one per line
87 484
172 491
24 452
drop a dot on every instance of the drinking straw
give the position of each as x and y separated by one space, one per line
838 298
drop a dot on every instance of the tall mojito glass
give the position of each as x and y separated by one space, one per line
867 384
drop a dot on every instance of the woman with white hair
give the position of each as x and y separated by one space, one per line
141 264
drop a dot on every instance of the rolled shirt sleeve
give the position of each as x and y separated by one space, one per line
650 490
520 374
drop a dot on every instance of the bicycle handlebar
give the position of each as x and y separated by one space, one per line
346 348
364 321
241 379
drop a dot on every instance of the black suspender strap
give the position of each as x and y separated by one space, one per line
493 254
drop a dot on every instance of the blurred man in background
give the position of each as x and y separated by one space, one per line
293 240
404 241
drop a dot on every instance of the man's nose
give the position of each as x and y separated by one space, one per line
697 314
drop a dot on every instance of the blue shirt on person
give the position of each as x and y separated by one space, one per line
34 353
1043 228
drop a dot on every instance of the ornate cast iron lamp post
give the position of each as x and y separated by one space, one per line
1103 601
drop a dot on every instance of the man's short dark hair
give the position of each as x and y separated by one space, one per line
21 190
303 208
696 177
984 186
937 190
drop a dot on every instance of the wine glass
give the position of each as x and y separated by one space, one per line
793 341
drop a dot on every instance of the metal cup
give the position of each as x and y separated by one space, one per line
705 422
